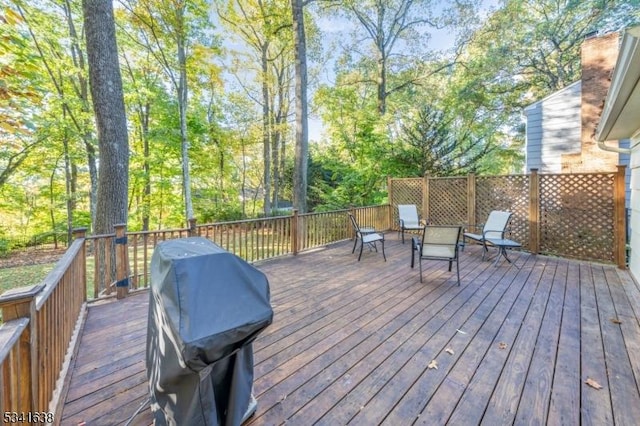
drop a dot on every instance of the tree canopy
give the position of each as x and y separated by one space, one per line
217 116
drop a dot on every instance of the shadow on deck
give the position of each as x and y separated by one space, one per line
366 343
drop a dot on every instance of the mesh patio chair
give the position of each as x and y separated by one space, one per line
369 238
408 219
494 228
437 243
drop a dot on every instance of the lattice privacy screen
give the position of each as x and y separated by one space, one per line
506 193
448 201
576 211
576 215
405 191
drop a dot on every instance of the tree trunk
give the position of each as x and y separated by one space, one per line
382 84
69 189
108 103
83 92
302 126
182 105
266 129
146 197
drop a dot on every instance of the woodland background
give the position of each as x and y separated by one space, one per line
401 87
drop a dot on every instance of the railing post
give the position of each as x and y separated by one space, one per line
193 231
21 303
471 200
122 261
390 203
620 217
534 211
425 198
81 233
294 232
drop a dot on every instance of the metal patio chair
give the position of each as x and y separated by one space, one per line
439 242
408 219
370 238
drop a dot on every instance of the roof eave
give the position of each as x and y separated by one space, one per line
616 121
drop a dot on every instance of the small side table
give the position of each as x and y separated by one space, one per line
503 245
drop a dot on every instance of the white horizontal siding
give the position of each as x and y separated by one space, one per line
553 129
634 261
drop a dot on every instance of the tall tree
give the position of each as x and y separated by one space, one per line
167 32
108 103
63 60
394 26
301 159
260 26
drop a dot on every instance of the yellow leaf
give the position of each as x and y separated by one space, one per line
433 364
12 17
593 383
502 345
615 320
449 351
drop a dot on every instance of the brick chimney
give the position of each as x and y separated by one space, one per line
598 56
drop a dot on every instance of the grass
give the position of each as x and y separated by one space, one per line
20 276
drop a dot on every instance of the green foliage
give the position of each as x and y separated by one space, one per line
5 247
446 113
220 213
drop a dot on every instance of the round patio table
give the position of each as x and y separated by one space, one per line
503 244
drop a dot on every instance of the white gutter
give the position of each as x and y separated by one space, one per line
624 82
603 146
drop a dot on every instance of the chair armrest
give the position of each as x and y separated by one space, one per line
500 231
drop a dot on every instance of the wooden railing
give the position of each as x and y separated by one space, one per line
39 322
252 239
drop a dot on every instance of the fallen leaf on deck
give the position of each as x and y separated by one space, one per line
615 320
449 351
593 383
460 331
433 364
502 345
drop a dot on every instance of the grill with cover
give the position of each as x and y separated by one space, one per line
206 308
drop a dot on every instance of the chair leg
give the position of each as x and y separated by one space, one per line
355 241
361 246
420 262
402 230
450 263
383 255
458 270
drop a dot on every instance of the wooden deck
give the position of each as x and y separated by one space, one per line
365 343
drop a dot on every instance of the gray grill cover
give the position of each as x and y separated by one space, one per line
206 307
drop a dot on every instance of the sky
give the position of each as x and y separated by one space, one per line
334 29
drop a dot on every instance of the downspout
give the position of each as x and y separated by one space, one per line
635 142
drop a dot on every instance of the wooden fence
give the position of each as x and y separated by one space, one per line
39 323
579 216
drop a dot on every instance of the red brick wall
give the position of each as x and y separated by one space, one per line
599 55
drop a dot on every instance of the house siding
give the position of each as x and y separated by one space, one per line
553 129
634 223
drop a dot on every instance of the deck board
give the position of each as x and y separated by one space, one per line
351 343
